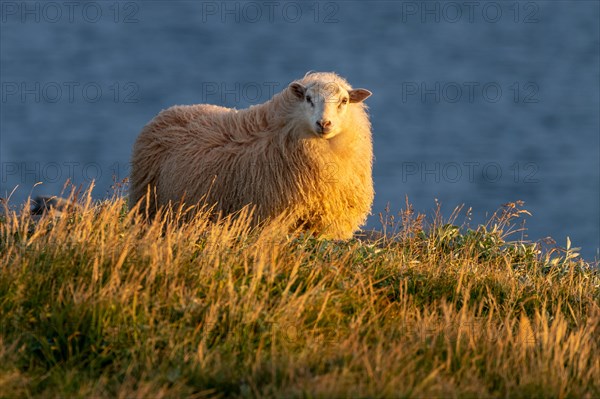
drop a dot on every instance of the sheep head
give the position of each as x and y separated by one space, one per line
323 104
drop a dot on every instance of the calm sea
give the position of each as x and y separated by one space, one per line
475 103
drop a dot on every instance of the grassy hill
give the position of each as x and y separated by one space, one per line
95 303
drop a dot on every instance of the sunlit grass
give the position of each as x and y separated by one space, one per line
96 303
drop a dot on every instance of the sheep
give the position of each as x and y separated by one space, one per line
306 153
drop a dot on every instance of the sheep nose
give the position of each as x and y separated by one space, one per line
324 124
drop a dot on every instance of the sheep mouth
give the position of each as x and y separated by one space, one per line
323 132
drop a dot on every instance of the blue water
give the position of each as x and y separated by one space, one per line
478 106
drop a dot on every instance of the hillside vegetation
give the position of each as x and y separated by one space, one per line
96 303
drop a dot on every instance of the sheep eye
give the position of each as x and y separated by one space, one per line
308 99
345 101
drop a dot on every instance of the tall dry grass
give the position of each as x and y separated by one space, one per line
96 303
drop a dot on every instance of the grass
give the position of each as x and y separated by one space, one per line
95 303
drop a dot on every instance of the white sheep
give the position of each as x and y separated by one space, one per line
306 153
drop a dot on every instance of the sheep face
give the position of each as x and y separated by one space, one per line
322 106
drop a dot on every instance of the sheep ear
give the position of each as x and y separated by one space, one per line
359 95
298 90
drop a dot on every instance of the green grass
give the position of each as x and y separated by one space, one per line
95 303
